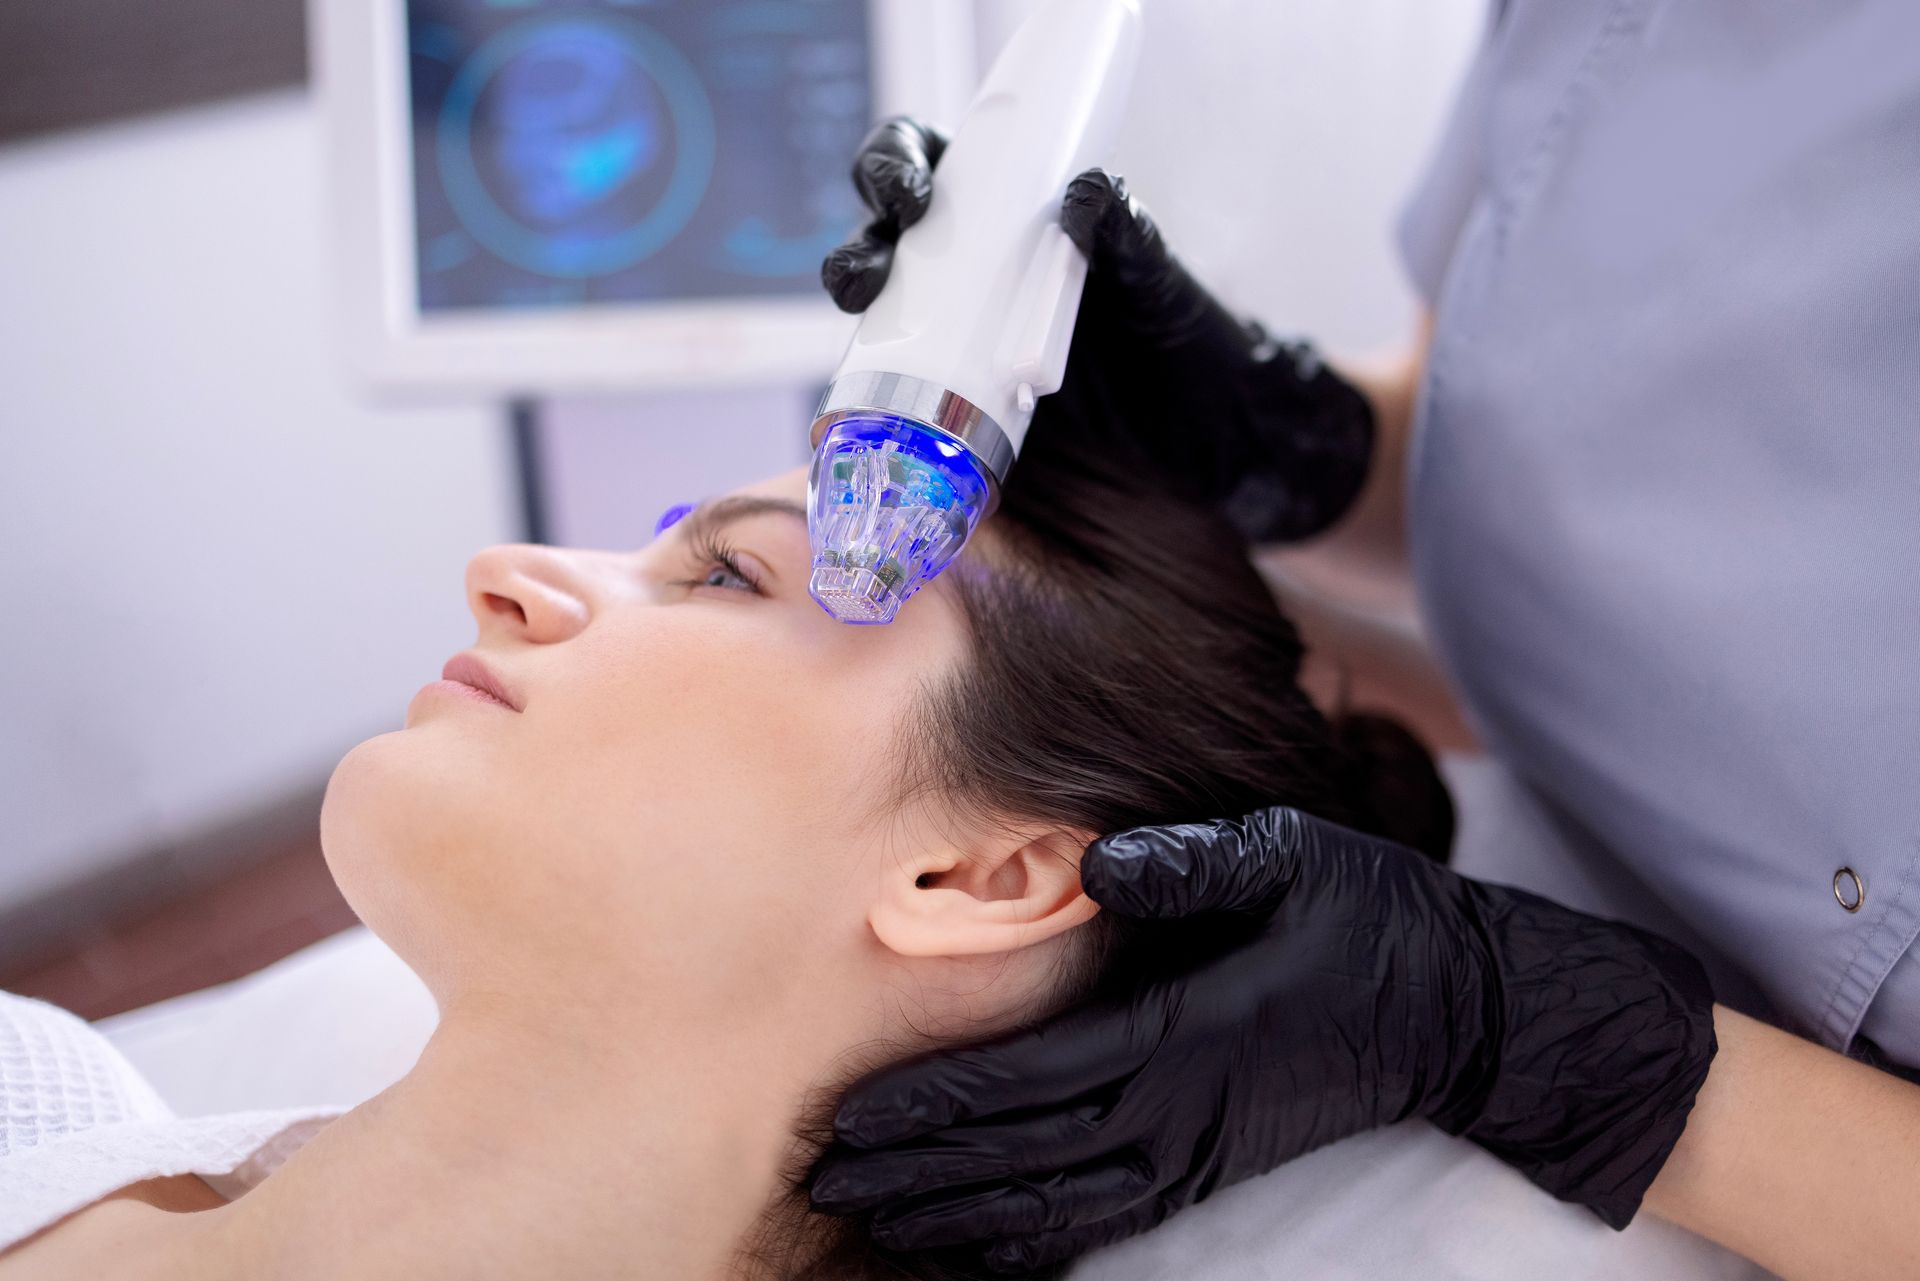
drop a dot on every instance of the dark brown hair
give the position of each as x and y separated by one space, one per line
1129 666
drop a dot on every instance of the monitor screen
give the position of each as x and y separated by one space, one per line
582 152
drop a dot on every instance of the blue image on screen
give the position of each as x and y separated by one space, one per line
646 150
574 124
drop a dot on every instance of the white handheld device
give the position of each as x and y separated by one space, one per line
925 416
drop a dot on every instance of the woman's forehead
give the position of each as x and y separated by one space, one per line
787 484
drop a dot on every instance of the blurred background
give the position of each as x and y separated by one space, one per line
287 335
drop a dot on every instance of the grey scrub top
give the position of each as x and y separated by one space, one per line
1665 486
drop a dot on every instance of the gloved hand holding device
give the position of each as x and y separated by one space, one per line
1260 427
1372 985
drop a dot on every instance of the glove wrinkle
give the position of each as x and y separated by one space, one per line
1016 1255
893 170
1123 244
1029 1205
1157 873
855 272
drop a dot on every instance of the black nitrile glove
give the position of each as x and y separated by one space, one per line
1371 985
1259 427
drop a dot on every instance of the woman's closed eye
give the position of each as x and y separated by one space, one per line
717 564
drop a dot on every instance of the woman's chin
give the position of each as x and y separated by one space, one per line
345 819
385 813
412 828
356 784
407 790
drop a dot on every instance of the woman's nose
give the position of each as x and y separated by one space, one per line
531 593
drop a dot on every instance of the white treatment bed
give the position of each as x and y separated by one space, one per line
339 1021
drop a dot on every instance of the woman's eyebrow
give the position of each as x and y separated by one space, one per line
709 516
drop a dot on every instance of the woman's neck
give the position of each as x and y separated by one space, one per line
514 1150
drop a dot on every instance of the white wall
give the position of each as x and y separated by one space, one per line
1275 140
218 571
614 464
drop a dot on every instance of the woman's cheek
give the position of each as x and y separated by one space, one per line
715 720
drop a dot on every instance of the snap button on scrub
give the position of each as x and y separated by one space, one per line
1848 889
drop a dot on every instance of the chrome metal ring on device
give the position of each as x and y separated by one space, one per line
923 402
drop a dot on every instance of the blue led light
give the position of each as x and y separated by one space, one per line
672 516
891 501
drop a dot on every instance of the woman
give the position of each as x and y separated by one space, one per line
678 856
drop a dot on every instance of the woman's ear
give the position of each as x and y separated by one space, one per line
1010 891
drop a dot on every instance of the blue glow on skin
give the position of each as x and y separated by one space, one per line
672 516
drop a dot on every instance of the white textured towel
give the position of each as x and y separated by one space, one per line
78 1122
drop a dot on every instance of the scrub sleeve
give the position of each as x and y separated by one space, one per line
1665 485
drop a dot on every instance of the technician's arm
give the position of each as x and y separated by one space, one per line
1264 428
1375 530
1803 1161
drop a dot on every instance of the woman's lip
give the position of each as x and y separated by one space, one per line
467 669
462 690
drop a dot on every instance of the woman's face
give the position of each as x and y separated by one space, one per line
693 795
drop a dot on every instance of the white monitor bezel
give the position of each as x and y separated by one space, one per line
924 64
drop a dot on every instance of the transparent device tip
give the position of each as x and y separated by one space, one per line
890 502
